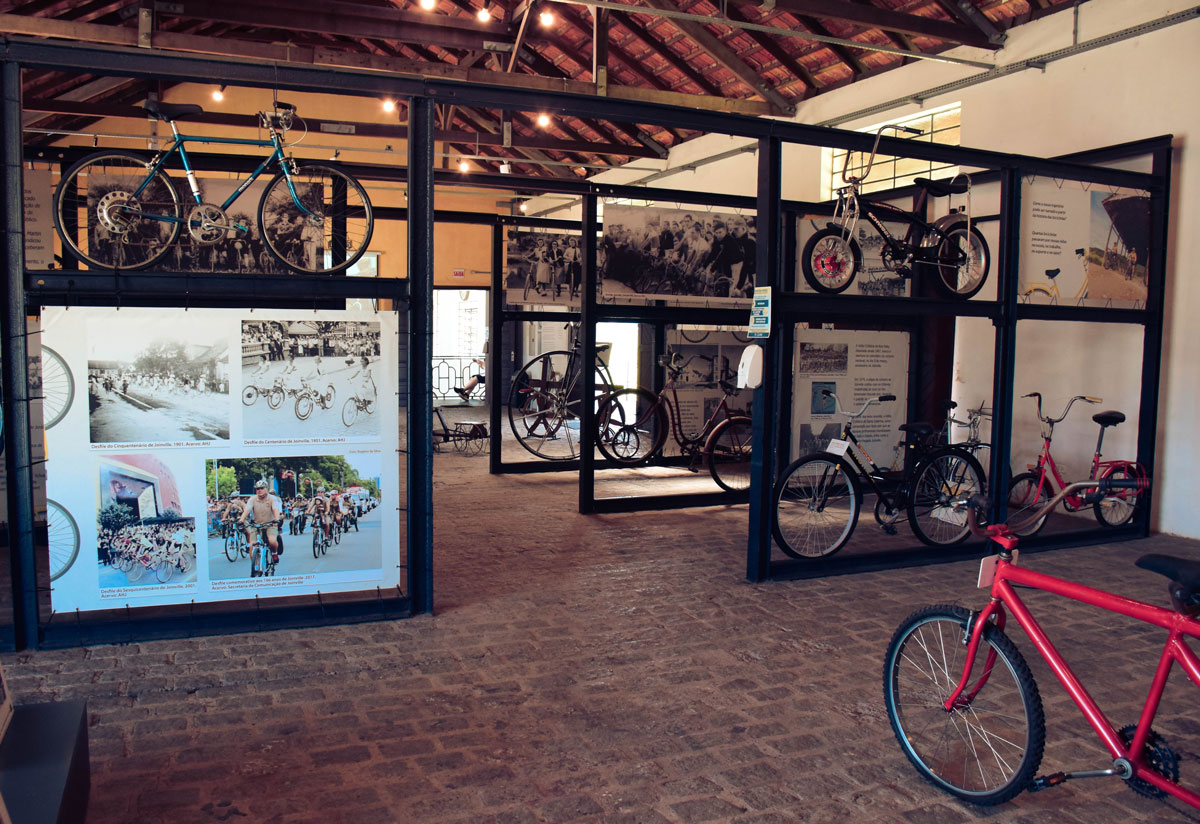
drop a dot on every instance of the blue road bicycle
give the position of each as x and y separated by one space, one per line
120 210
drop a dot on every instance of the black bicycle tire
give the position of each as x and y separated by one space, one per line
69 244
1041 500
855 500
928 464
279 255
939 279
59 414
806 260
1119 472
710 449
516 402
657 423
928 698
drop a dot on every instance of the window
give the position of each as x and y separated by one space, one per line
941 125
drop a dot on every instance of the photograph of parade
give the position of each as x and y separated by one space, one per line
543 267
142 539
309 378
664 253
298 515
157 375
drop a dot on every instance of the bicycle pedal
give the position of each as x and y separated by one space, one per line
1043 782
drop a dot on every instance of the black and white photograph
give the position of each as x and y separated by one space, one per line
543 268
310 378
157 375
325 508
665 253
142 537
823 358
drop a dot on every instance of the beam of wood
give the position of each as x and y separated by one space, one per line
664 51
484 125
334 58
875 17
857 67
600 48
965 11
772 47
726 57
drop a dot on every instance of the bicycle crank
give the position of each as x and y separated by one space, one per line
207 224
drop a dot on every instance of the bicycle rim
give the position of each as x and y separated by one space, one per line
330 228
544 405
816 507
729 454
987 749
58 387
947 477
962 261
632 426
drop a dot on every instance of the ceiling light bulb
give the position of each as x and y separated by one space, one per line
524 206
543 120
462 166
546 18
389 105
219 94
428 4
505 168
484 15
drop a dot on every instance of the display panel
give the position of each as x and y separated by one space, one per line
186 413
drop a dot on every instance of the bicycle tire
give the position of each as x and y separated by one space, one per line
944 476
1027 495
328 397
275 398
249 395
728 453
231 547
693 335
339 206
256 570
1119 506
830 260
58 387
62 539
143 240
816 506
962 280
999 728
163 571
349 413
135 572
304 407
631 426
544 401
740 335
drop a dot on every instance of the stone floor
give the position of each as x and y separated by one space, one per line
612 668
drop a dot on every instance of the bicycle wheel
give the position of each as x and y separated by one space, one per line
631 426
728 453
987 749
330 228
817 502
337 534
545 404
316 536
693 335
946 476
349 412
963 260
249 395
326 399
275 398
62 539
135 572
830 260
304 407
112 214
163 571
1026 495
1120 505
256 565
231 547
58 387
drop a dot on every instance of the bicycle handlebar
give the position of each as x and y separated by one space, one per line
837 402
1066 409
981 504
874 150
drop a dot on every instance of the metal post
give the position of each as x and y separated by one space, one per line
767 412
420 352
587 355
1006 339
18 453
496 349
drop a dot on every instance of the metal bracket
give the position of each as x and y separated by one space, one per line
145 27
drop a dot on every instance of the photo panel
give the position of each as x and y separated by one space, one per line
544 269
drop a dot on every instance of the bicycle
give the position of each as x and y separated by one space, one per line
818 497
307 398
262 560
273 394
971 722
545 403
1031 489
353 406
115 209
1049 287
951 249
235 543
320 538
632 427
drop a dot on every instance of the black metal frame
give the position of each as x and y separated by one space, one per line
180 289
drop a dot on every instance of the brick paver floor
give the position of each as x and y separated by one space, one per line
613 668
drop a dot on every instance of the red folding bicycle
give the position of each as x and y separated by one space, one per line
963 703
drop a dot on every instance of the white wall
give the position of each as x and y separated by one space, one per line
1130 90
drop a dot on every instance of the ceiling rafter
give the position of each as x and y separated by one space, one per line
483 125
844 54
663 50
777 51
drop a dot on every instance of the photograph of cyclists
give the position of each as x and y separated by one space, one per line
142 537
310 378
294 516
543 268
234 244
664 253
156 375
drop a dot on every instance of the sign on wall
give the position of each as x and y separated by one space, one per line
177 414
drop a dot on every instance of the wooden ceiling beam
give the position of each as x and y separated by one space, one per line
857 67
540 158
875 17
664 51
773 48
965 11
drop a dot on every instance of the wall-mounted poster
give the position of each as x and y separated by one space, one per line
186 413
854 366
544 268
677 255
708 355
1083 246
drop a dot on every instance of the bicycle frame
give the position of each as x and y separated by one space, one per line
1007 576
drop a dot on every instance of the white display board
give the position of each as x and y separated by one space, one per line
170 413
856 365
39 220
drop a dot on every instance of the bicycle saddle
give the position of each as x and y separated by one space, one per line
1185 579
941 188
1109 417
917 430
1053 273
171 111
